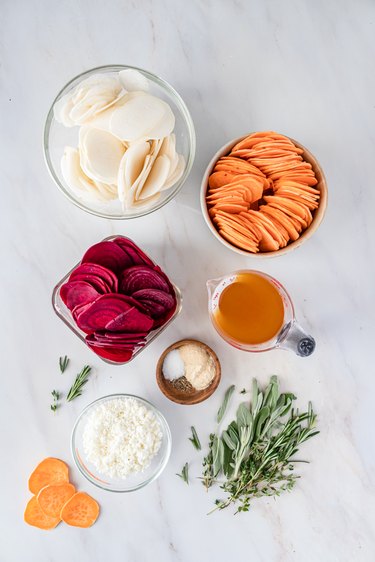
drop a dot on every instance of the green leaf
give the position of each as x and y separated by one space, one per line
217 455
244 416
223 407
184 473
63 363
195 439
261 418
229 442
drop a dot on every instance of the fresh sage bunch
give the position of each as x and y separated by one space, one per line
255 455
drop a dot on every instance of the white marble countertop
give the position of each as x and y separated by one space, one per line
302 68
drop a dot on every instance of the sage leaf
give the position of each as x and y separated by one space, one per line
223 407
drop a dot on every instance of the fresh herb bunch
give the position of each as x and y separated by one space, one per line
254 454
77 386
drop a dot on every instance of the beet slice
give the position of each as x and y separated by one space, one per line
98 271
141 277
106 308
132 320
125 336
137 256
118 345
109 255
96 282
78 293
115 355
155 295
114 312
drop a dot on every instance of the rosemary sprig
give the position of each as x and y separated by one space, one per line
184 473
63 362
56 397
255 454
195 439
77 386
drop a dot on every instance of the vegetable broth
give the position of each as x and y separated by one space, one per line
250 310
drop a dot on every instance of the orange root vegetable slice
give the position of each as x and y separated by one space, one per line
237 225
35 516
237 240
80 511
53 497
49 471
217 179
270 227
229 207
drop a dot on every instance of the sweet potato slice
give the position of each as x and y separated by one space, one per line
35 516
49 471
53 497
80 511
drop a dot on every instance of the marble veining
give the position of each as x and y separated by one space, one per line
302 68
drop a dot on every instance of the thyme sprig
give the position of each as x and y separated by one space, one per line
56 397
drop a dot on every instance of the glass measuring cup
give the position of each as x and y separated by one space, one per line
289 336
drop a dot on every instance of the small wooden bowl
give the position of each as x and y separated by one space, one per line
187 397
317 216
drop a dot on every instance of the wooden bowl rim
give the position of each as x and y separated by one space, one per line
199 395
318 215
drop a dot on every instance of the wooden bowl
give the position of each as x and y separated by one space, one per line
187 397
317 216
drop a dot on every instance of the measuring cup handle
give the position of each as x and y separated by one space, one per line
295 339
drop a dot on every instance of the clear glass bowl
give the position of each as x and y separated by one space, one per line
134 481
65 315
56 137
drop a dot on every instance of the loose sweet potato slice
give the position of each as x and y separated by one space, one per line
49 471
52 498
80 511
35 516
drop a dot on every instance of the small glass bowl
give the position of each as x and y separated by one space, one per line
65 315
57 136
134 481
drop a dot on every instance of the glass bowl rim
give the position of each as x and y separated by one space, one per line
166 434
182 108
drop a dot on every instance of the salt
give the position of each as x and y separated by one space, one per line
173 366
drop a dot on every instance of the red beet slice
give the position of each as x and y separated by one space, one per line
114 312
93 270
106 308
137 256
78 293
142 277
109 255
132 320
126 336
96 282
155 295
118 356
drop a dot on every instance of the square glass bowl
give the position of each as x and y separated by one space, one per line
133 481
65 315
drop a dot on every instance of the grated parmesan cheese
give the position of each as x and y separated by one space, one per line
121 437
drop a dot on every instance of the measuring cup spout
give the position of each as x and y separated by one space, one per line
294 338
211 285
